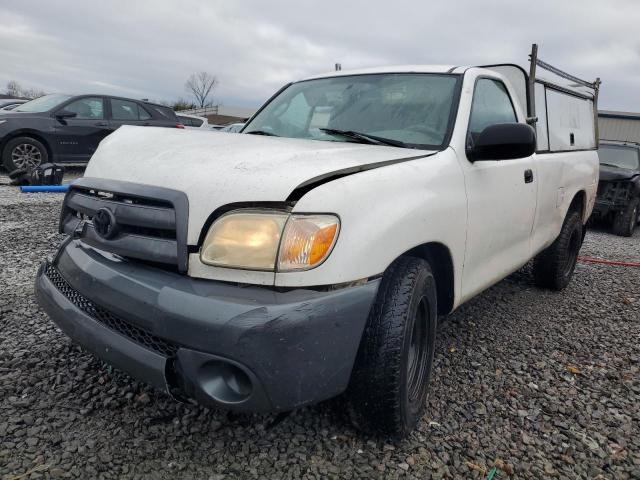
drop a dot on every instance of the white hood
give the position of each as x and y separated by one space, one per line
215 169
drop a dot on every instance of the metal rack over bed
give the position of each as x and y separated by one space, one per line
578 87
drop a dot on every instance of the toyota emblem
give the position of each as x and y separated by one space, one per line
104 223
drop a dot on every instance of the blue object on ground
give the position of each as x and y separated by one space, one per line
44 188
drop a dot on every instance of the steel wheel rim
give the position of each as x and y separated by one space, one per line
417 361
574 248
26 155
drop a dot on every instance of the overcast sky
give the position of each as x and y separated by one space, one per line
147 49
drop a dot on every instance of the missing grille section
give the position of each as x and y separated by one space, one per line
115 323
614 191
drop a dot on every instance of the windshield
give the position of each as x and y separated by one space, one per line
412 110
619 156
42 104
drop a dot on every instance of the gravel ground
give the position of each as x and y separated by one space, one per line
539 384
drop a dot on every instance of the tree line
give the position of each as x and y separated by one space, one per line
200 87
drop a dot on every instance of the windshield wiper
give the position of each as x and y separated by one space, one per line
365 137
262 132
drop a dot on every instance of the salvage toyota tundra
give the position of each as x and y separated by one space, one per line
312 254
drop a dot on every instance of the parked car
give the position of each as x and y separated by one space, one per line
193 121
618 200
8 104
66 128
232 128
312 254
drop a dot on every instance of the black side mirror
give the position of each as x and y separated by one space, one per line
503 141
62 114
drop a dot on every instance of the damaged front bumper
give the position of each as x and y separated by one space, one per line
243 348
612 197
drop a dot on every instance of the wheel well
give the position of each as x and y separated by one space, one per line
578 204
439 257
29 134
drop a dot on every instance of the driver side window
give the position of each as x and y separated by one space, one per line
491 104
90 108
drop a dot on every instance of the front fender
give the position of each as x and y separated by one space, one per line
386 212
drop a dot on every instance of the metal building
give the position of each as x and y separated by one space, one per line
623 126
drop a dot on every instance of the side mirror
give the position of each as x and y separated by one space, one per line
62 114
503 141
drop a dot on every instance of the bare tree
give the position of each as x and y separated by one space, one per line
200 85
13 88
33 93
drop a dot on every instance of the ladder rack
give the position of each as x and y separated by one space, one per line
534 63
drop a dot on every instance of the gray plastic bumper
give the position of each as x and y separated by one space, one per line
240 347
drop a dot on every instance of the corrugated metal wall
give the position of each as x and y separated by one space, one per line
612 128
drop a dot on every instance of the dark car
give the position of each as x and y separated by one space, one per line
618 200
68 129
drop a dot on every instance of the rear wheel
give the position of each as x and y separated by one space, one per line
554 266
625 222
24 153
389 384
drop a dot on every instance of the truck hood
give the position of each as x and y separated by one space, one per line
608 174
215 169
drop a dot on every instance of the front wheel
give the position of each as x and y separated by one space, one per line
24 153
626 221
390 380
553 267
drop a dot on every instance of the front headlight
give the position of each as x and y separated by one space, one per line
244 240
270 241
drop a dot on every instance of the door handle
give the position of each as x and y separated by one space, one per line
102 124
528 175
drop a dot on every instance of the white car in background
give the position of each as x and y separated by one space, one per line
193 121
232 127
8 104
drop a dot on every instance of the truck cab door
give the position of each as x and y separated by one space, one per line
77 138
501 196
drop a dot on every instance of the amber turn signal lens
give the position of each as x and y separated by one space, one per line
307 241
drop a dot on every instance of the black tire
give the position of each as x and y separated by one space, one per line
390 379
625 222
24 152
554 266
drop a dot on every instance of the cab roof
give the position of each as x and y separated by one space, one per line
390 69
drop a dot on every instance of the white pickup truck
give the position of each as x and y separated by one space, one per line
312 254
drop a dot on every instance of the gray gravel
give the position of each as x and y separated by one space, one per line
540 384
